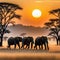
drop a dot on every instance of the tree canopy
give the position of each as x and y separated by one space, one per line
7 13
54 24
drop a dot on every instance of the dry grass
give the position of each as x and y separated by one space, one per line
31 54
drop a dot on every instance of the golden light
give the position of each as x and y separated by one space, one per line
36 13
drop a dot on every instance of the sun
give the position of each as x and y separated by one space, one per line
36 13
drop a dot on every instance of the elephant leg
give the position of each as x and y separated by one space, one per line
36 47
45 46
22 46
19 45
48 47
15 46
8 46
31 45
39 46
57 42
28 46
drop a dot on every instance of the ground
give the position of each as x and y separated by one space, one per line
25 54
31 54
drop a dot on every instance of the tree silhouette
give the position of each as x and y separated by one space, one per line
23 34
54 24
7 13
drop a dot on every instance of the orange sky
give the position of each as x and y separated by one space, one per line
29 5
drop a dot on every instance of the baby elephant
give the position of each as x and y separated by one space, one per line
14 41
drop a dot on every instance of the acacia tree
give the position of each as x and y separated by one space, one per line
23 34
7 13
54 24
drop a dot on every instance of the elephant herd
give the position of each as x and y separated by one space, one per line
41 42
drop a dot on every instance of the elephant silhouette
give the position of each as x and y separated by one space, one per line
26 41
40 41
14 41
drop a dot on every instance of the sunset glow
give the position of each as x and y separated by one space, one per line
29 29
29 5
36 13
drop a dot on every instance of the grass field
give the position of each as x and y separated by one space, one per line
25 54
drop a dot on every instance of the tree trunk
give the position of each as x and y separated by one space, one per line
57 39
1 39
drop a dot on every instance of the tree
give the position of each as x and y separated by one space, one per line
7 13
23 34
54 24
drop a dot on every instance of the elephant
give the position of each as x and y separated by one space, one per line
40 41
14 41
26 41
